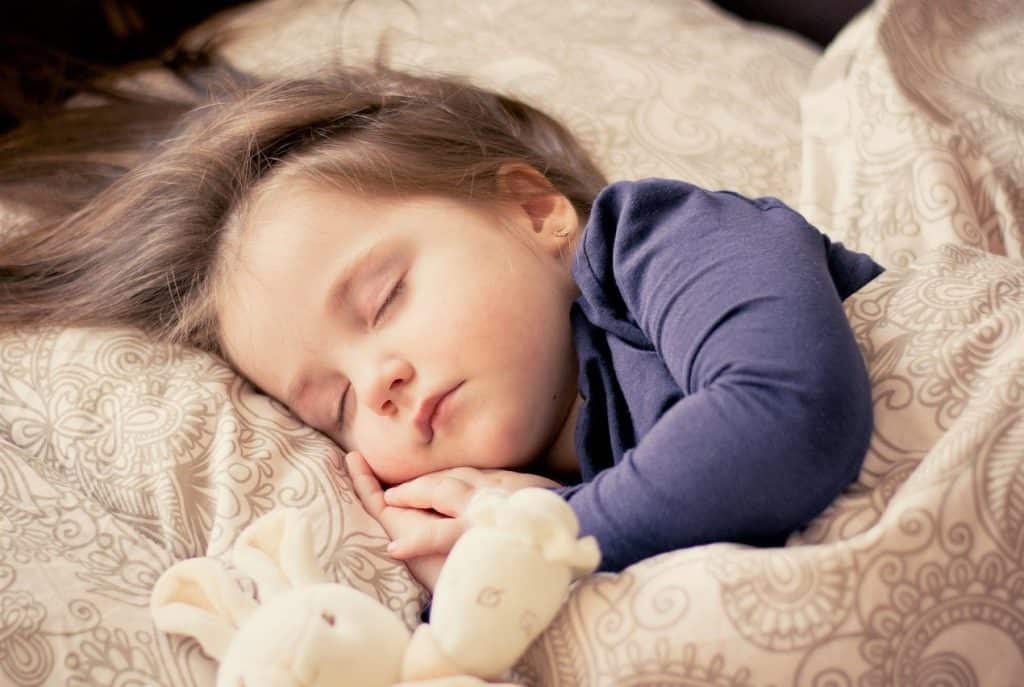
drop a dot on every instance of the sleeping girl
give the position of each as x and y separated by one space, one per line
441 280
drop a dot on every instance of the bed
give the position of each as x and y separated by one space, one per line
903 138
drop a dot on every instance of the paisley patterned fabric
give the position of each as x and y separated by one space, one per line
119 456
912 130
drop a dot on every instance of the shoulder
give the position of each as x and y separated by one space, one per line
643 196
633 217
628 210
638 232
655 236
660 190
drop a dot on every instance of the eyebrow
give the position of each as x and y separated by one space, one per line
342 285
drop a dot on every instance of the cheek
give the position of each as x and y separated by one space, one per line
503 439
483 319
389 459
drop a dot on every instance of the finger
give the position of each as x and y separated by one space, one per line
466 474
436 537
446 495
412 494
365 483
429 480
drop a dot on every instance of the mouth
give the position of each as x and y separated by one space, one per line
431 412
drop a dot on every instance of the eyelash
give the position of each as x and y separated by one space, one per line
389 301
341 408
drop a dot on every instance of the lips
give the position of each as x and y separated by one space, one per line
428 409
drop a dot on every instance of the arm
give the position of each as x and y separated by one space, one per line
736 298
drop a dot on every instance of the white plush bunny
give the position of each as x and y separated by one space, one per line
506 578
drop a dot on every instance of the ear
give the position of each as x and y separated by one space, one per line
551 215
197 598
277 552
543 518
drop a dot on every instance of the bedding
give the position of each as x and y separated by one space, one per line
912 130
119 456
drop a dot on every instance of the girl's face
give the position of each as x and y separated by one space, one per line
359 313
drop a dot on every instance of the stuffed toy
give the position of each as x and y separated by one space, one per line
501 585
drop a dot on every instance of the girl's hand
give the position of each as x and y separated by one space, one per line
402 523
448 492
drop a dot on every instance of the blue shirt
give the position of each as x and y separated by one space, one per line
724 396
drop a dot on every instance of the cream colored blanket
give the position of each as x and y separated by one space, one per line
119 456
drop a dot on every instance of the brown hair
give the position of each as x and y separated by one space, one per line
143 247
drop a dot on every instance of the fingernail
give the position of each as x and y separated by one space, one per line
393 547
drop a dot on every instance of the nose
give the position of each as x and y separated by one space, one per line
387 385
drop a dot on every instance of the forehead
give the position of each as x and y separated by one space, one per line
294 240
292 227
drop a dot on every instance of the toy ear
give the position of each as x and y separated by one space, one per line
277 552
196 597
543 518
555 528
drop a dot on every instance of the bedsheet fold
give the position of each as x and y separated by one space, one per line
913 130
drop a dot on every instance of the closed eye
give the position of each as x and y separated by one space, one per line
341 407
396 290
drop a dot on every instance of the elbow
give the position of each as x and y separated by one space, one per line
838 435
847 420
820 450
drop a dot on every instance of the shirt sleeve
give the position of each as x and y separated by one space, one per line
736 297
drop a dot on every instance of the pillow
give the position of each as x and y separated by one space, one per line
672 88
913 122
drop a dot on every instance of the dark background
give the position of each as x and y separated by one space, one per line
49 47
818 20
